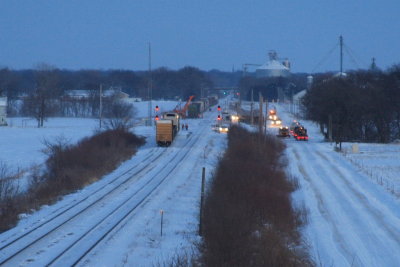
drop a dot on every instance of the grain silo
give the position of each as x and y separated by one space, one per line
274 68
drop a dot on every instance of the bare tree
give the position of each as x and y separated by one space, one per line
40 104
119 114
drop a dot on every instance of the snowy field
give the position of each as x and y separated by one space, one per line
137 242
351 198
380 162
22 142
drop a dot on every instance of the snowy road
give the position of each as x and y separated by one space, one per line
352 221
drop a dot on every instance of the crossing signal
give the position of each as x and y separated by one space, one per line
157 108
219 108
157 118
219 117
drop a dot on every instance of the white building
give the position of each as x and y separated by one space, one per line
274 68
3 111
297 106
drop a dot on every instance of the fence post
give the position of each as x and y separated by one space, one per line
203 178
162 215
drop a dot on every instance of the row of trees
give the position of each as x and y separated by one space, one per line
41 93
361 106
272 87
165 83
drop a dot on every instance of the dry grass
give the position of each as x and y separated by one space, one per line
69 168
248 215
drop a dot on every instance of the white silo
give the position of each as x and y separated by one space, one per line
273 68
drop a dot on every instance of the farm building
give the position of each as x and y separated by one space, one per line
3 111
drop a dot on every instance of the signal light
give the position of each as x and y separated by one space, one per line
157 118
157 108
219 117
219 108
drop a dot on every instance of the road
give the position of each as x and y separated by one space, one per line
351 220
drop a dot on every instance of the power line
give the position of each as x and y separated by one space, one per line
354 57
325 58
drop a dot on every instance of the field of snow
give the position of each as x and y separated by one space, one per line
380 162
22 142
351 198
138 242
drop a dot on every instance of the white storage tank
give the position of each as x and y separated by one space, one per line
274 68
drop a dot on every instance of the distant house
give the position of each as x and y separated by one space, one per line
297 102
3 111
78 94
115 92
85 94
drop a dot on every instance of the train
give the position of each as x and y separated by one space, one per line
167 128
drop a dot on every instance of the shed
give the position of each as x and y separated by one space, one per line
3 111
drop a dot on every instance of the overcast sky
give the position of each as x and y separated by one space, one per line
208 34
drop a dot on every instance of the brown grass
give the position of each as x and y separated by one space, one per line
248 214
69 168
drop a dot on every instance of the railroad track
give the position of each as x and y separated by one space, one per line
144 178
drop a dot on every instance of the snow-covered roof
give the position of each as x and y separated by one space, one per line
273 65
299 95
3 101
88 93
340 74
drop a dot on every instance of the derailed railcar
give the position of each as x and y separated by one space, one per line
164 132
212 100
167 128
197 108
176 120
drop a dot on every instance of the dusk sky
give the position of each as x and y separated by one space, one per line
219 34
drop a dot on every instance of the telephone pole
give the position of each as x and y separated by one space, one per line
251 109
341 55
261 113
150 89
101 105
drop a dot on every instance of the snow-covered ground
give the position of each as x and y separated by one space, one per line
380 162
353 219
351 198
22 142
137 242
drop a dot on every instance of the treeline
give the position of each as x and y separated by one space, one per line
272 87
166 83
248 215
361 106
43 92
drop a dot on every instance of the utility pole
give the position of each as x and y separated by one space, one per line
150 89
266 115
101 105
330 128
261 115
251 109
341 55
203 183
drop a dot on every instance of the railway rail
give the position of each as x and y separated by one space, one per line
130 189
